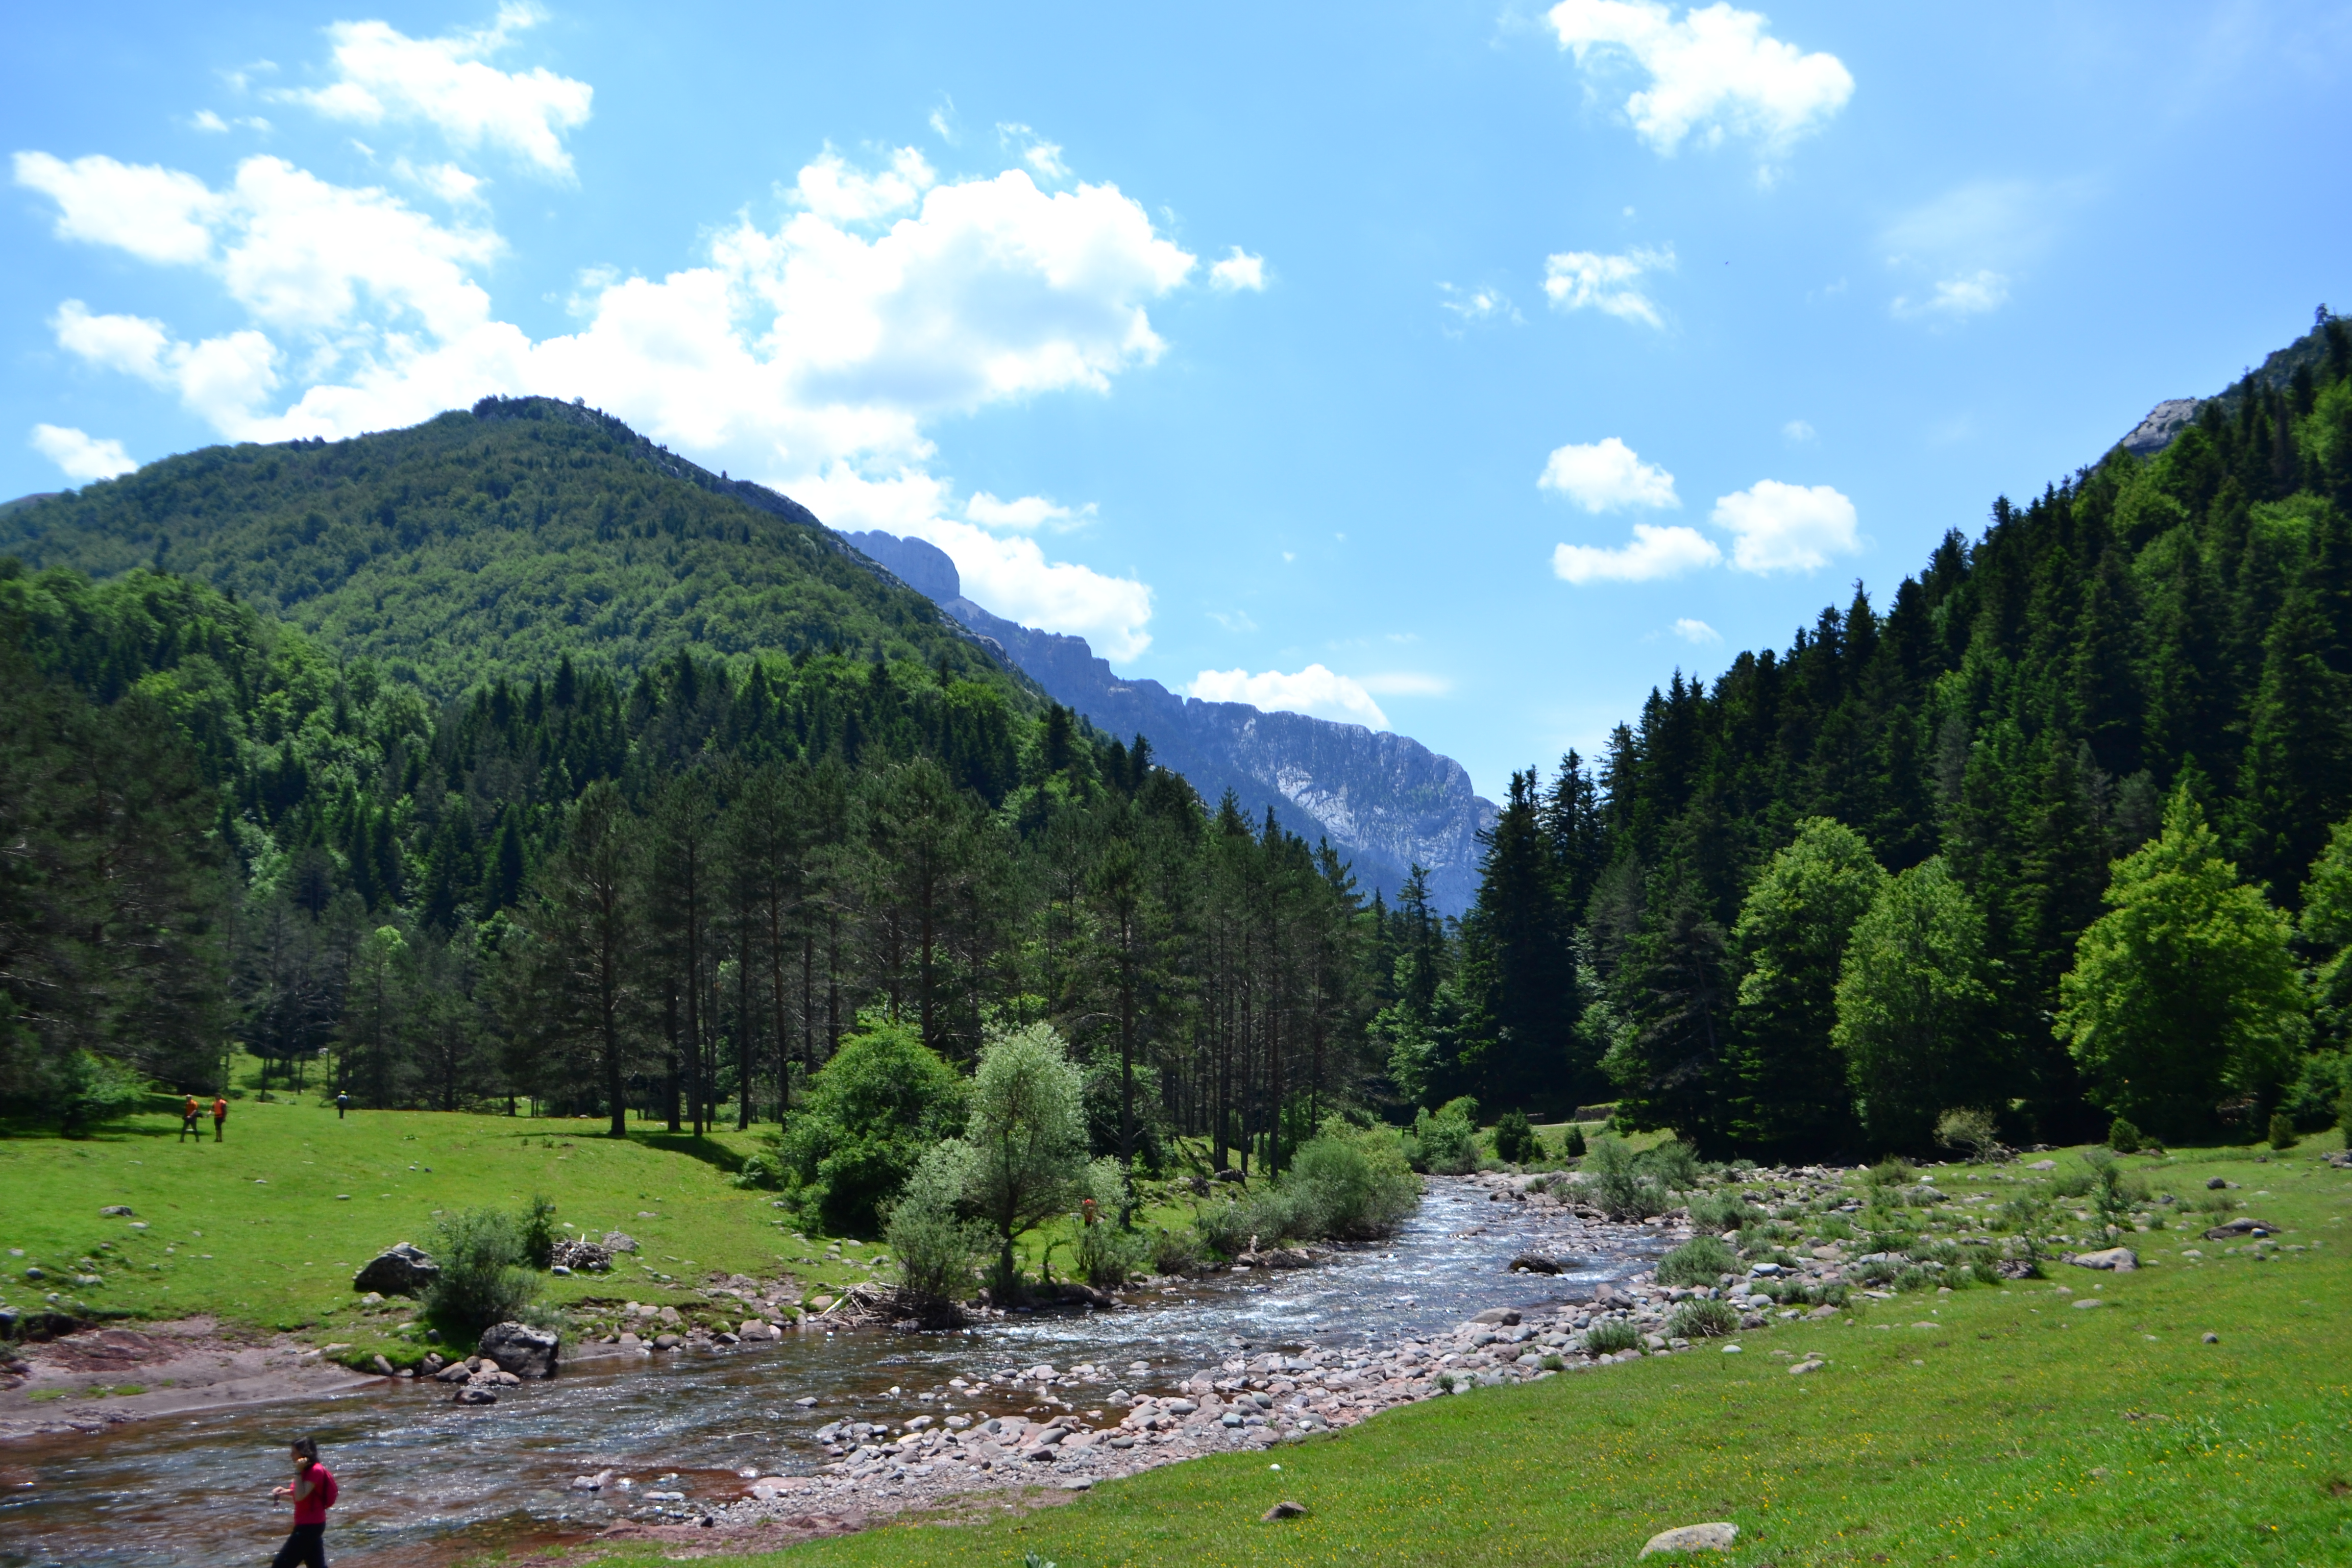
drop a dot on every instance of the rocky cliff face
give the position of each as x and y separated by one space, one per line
1386 801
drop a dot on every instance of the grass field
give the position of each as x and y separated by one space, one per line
1993 1425
267 1227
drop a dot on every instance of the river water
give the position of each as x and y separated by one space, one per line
423 1482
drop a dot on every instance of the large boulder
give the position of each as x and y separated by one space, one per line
401 1270
582 1257
520 1348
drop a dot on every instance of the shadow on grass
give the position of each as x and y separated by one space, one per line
709 1151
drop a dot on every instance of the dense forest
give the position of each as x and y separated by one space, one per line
667 895
1814 904
510 759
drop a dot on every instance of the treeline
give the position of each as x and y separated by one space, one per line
673 894
1957 778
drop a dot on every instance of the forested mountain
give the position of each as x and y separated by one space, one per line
219 830
493 543
1386 802
1814 903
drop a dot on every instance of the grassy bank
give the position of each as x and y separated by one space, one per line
267 1229
1992 1426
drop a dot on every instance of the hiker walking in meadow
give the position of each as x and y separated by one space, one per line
188 1114
220 1116
312 1493
343 1102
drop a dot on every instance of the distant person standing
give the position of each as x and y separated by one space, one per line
188 1114
312 1493
343 1102
220 1116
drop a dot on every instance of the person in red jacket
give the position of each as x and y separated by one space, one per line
220 1116
188 1114
312 1493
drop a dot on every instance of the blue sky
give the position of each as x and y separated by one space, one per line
1457 368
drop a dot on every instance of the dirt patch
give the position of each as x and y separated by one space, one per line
103 1377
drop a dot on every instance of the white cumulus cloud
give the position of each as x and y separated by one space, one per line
1024 511
1240 271
1717 72
1698 632
1315 691
837 193
1653 552
1974 293
157 214
1606 476
1575 279
82 457
383 75
1787 528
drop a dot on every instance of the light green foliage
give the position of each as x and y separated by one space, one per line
1699 1261
2326 932
1794 928
1972 1131
1025 1146
483 1279
1357 1180
1912 1005
1610 1336
1444 1143
873 1112
2184 993
1624 1185
935 1251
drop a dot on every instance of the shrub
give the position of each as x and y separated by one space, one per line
1890 1175
1697 1261
935 1252
537 1236
1175 1251
760 1173
872 1112
1354 1184
1973 1132
1611 1335
1674 1162
1516 1141
1723 1211
1703 1320
1445 1142
1109 1256
1571 1143
2282 1131
482 1281
1625 1188
2122 1137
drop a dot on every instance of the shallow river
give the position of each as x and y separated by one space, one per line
423 1482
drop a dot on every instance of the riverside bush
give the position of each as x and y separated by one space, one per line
1703 1320
1516 1141
1723 1211
1356 1182
1610 1335
482 1279
1626 1188
935 1252
873 1112
1699 1261
1445 1142
2122 1137
1972 1131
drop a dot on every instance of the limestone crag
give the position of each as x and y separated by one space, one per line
1386 801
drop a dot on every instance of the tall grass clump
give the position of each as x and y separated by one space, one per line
1611 1335
1703 1320
1699 1261
1625 1187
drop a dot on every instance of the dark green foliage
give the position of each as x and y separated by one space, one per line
538 1237
1514 1139
1446 1144
2123 1138
483 1279
493 545
1704 1320
2282 1131
872 1112
1571 1143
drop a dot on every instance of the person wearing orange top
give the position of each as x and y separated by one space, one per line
188 1114
220 1116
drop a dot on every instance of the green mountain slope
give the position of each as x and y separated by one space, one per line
492 543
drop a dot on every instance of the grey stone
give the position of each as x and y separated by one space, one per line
1531 1263
399 1270
666 1341
582 1257
476 1393
1285 1509
520 1349
619 1241
115 1211
2122 1259
2042 1166
1507 1316
456 1371
1716 1537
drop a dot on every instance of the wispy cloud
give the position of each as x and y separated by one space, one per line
1578 279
